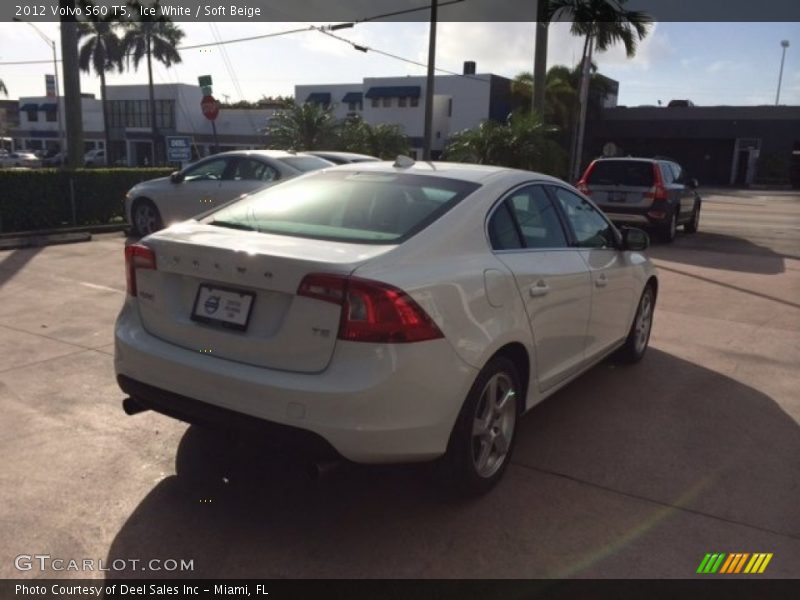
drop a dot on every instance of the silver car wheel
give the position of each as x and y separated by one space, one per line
644 320
145 218
493 426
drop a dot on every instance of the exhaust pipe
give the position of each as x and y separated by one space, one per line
131 407
324 469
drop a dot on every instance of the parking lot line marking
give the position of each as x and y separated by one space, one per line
727 285
100 287
641 498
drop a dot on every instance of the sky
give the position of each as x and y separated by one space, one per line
709 63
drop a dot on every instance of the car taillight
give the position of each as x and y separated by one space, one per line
583 183
659 192
371 311
137 256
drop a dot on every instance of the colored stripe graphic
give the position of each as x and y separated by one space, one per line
722 563
727 564
741 562
703 563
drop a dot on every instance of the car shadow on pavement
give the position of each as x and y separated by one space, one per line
719 251
664 453
13 262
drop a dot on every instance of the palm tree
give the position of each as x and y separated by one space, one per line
523 142
101 51
602 23
152 37
308 126
383 140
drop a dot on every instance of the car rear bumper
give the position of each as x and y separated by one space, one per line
641 217
373 404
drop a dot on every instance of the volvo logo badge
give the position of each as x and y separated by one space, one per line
211 305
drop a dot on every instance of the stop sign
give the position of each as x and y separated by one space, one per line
210 107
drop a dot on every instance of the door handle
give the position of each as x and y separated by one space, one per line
601 280
540 288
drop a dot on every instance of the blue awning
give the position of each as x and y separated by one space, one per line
394 91
353 97
319 98
29 106
49 107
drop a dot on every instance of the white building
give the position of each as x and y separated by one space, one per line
177 109
459 102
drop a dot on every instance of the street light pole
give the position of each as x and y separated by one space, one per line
784 45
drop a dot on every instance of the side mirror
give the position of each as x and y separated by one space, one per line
693 183
635 239
176 177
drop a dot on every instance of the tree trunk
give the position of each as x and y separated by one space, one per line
107 134
151 92
540 58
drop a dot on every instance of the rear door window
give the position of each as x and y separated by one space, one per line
251 169
667 174
631 173
537 218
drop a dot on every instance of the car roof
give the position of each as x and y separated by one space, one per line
450 170
264 153
343 155
629 158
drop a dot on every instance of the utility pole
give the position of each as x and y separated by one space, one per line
784 45
426 152
584 101
73 111
540 57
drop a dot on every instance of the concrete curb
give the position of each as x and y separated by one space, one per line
32 241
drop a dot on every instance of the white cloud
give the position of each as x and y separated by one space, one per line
719 65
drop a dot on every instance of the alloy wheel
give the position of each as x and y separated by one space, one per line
145 219
644 321
493 426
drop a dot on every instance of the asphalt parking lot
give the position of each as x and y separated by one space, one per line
627 472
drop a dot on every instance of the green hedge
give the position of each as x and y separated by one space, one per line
43 198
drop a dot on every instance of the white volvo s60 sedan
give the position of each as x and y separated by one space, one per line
385 312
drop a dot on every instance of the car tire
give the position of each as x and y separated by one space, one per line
694 223
668 231
483 437
639 335
145 218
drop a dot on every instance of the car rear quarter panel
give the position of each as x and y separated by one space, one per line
449 269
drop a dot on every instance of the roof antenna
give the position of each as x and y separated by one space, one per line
404 162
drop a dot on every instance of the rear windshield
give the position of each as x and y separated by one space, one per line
635 173
364 208
306 163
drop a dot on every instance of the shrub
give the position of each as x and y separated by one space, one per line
43 198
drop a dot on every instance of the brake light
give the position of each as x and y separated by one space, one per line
583 183
659 192
137 256
371 311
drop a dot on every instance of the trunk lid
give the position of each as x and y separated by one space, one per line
283 331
